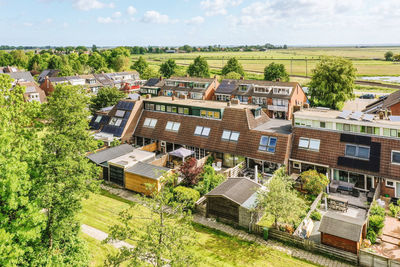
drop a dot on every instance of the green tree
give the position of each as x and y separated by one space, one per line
233 75
66 175
20 218
167 69
55 62
232 65
280 200
314 182
6 59
83 59
36 63
148 73
199 68
20 58
106 96
96 61
121 63
140 65
389 56
166 239
275 71
332 82
209 180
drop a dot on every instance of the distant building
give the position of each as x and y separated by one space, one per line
389 103
190 87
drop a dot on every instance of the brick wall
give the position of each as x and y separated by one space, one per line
340 243
395 109
297 96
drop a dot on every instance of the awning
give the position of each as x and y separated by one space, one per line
181 153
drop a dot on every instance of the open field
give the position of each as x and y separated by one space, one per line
368 61
212 247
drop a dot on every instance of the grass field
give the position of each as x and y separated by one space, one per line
212 247
368 61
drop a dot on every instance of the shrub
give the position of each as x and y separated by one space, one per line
376 223
186 195
377 210
209 180
371 236
315 215
190 172
210 160
394 210
314 182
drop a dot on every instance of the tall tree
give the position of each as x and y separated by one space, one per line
140 65
66 175
233 65
96 61
148 73
20 218
199 68
106 96
20 58
275 71
332 82
120 63
190 171
389 56
280 199
167 69
166 239
55 62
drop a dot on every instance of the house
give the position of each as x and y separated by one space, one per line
130 168
49 84
117 123
8 69
152 86
343 232
232 132
233 201
190 87
354 147
47 73
91 83
33 92
127 81
278 99
387 104
21 76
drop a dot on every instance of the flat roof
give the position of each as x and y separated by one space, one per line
333 115
132 158
147 170
275 126
198 103
110 153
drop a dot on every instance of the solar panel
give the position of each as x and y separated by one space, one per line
356 115
368 117
127 114
394 118
344 114
226 86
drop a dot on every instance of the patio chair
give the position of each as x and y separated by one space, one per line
355 192
333 186
219 164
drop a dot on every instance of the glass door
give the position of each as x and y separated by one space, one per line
397 189
370 182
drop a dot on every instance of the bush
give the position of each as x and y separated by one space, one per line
186 195
377 210
314 182
394 210
376 223
210 160
209 180
315 215
371 236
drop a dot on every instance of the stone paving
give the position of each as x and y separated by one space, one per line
210 223
100 235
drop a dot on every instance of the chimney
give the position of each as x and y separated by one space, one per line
160 78
47 81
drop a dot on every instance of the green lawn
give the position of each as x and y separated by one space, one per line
214 248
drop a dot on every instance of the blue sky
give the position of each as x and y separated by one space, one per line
204 22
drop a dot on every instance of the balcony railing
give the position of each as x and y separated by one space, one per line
277 108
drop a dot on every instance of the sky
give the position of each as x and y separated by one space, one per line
199 23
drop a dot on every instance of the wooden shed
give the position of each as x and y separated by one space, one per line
142 174
341 231
232 201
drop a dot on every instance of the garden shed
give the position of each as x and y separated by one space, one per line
343 232
233 200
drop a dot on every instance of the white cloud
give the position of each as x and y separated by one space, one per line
104 20
28 24
65 25
195 21
91 4
48 21
116 14
218 7
153 16
131 10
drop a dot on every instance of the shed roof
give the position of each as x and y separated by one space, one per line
147 170
343 226
110 153
238 190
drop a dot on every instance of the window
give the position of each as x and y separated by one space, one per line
149 106
322 124
395 157
172 126
202 131
267 144
389 183
307 143
203 113
180 110
169 109
216 115
115 121
98 119
230 135
243 87
150 123
186 111
355 151
391 132
121 113
296 165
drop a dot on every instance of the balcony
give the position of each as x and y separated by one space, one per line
277 108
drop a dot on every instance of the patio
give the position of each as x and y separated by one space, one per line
359 202
389 246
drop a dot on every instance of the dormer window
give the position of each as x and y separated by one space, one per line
281 91
230 135
98 119
244 87
259 89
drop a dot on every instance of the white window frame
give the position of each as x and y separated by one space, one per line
98 119
296 165
356 154
309 141
118 113
395 163
229 137
202 131
268 145
150 123
391 186
172 126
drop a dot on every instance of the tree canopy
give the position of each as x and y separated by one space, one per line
233 65
140 65
332 82
389 56
314 182
275 71
199 68
168 68
106 96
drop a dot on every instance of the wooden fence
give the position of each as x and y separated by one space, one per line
234 171
312 208
371 259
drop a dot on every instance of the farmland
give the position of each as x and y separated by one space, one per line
298 61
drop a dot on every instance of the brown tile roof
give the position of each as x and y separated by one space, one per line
391 100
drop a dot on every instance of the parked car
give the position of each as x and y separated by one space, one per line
367 96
